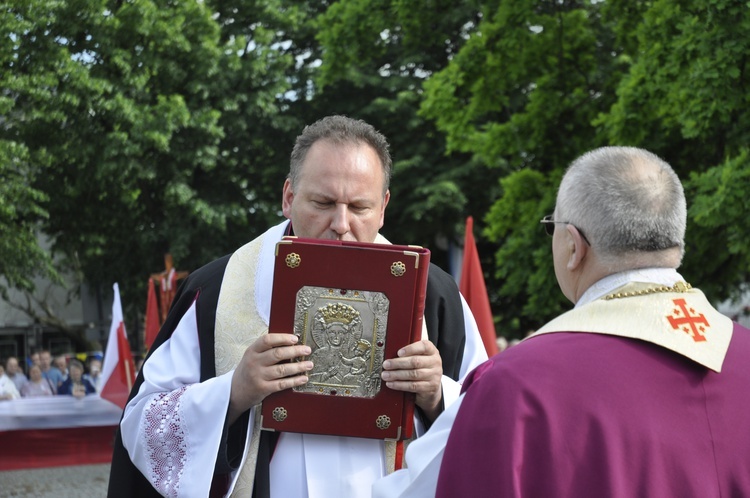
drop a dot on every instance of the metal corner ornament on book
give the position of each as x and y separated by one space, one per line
354 305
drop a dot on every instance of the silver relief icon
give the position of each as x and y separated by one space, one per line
345 330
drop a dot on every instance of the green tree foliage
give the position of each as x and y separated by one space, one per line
717 252
521 96
255 84
540 82
21 257
140 119
21 210
376 56
686 98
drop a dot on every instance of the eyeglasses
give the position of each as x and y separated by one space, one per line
549 226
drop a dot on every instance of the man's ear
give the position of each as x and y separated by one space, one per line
577 247
386 198
287 197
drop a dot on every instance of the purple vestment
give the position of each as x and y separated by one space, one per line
588 415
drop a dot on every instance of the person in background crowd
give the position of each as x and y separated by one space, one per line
8 389
33 359
502 344
61 363
75 384
37 385
640 390
94 375
14 373
52 374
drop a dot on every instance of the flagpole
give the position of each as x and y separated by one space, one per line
128 376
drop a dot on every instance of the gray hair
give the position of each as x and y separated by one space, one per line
340 130
76 363
626 200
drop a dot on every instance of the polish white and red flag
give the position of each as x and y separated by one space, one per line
118 369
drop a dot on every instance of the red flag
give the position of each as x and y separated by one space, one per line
118 368
474 290
152 315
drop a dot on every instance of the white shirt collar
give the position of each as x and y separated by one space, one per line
661 276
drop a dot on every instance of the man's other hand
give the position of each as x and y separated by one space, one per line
418 369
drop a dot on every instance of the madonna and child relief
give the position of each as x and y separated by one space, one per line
345 330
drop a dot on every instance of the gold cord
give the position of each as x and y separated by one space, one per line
678 287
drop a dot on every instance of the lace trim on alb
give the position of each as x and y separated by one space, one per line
166 441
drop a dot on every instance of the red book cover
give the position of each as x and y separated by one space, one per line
355 304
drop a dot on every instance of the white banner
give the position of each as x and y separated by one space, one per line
57 412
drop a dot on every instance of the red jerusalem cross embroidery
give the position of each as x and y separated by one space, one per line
693 324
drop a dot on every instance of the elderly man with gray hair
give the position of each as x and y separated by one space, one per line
640 390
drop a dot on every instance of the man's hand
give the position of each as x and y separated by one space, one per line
264 369
418 369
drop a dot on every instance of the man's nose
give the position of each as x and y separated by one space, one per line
340 221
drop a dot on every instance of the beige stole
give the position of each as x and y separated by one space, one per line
683 322
238 325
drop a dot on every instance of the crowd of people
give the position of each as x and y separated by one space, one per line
44 375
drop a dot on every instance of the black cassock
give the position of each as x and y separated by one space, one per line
445 328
